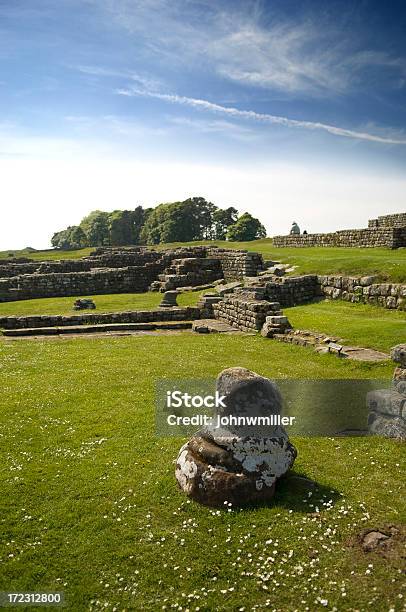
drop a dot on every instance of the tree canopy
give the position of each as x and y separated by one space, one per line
246 228
183 221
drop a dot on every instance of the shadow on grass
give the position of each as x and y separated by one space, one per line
298 493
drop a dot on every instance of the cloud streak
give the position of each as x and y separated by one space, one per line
230 111
307 54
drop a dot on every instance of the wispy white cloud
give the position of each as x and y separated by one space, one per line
215 126
247 45
205 105
150 83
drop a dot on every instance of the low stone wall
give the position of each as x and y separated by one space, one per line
389 237
237 264
190 313
293 290
133 279
363 290
121 258
62 266
8 270
396 220
244 313
189 272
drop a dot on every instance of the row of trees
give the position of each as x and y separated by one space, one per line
192 219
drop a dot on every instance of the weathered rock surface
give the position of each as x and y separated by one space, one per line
387 407
398 354
209 326
169 299
236 462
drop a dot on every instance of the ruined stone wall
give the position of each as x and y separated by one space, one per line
237 264
292 290
189 313
397 220
389 237
14 269
189 272
363 290
125 270
111 258
131 279
244 313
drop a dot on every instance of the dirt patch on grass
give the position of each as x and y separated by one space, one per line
388 541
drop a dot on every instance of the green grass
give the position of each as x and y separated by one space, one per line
89 504
104 303
356 324
47 254
385 263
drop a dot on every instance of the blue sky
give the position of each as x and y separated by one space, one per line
291 110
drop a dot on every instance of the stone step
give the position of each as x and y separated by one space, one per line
208 326
91 329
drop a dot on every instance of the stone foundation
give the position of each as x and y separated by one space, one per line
129 270
244 313
293 290
388 231
363 290
137 316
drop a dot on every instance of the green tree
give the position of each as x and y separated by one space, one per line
125 226
73 237
96 228
184 221
222 219
246 228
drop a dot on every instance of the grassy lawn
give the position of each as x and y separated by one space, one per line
385 263
89 504
356 324
47 254
359 324
104 303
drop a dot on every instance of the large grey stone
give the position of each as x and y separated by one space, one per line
169 299
398 354
235 462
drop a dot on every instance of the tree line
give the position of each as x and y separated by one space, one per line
192 219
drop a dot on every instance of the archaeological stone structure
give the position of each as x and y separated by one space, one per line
245 310
386 231
125 270
230 461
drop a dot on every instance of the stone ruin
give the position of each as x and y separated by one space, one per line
387 407
139 269
385 231
237 464
125 270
